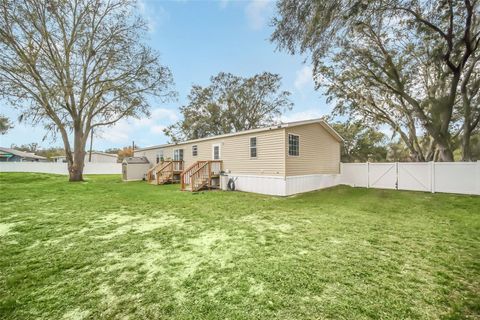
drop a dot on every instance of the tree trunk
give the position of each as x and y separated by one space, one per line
75 171
466 152
445 153
75 166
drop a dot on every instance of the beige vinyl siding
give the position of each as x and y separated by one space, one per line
319 151
235 153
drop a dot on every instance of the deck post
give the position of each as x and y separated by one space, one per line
368 174
209 174
432 176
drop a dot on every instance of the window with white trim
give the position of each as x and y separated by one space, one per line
159 156
178 154
253 147
194 150
216 152
293 145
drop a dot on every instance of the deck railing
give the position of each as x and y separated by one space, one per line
177 165
153 170
185 177
164 170
200 174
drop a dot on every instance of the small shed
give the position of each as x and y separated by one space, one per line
134 168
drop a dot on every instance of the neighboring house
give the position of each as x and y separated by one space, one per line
96 157
12 155
280 160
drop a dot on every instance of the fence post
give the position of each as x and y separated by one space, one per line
396 175
368 174
432 176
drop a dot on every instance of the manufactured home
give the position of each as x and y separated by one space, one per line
285 159
96 157
12 155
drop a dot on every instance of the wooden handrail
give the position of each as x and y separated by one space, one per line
200 167
195 170
167 166
196 173
149 171
187 171
191 167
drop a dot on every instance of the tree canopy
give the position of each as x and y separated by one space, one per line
413 65
5 124
77 65
121 153
230 104
361 143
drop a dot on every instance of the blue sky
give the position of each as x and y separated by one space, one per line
198 39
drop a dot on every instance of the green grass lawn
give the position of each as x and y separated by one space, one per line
104 249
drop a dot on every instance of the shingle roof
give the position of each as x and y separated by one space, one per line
22 153
322 122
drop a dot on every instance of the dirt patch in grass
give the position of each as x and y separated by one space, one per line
6 228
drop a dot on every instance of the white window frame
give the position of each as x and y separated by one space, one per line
253 147
219 151
178 150
195 153
288 145
159 156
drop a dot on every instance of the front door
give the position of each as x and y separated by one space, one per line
178 156
216 152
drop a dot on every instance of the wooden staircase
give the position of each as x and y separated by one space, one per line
165 172
201 175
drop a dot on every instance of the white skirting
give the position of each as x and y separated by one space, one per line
284 186
299 184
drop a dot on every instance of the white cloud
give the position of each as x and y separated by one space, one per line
157 115
258 12
117 133
157 129
163 113
304 78
154 15
124 130
302 115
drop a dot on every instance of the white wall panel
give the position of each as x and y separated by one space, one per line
382 175
270 185
354 174
415 176
305 183
450 177
457 177
59 168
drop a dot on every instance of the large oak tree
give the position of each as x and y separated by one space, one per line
230 104
413 65
74 65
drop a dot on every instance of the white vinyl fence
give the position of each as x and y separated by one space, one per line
60 168
450 177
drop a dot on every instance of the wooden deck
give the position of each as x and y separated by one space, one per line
165 172
204 174
201 175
